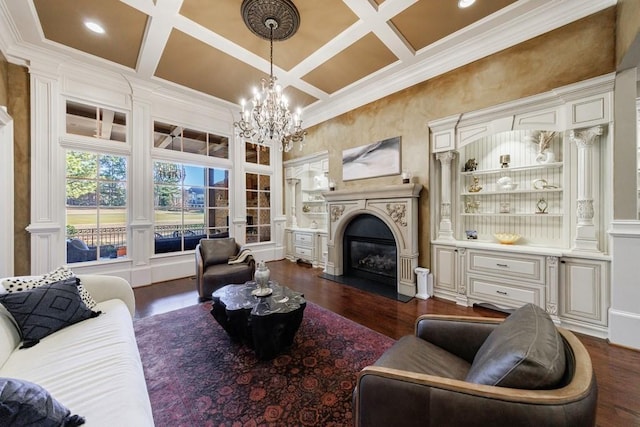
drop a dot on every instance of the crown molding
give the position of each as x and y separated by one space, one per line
520 22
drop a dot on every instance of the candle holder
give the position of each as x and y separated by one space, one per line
406 176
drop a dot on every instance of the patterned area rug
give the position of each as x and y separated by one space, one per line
197 376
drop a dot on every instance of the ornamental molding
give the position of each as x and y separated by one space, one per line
398 213
585 209
336 212
446 157
585 138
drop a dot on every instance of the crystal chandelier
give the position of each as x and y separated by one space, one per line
267 120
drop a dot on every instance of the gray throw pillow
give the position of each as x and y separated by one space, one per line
525 351
23 403
46 309
217 251
19 284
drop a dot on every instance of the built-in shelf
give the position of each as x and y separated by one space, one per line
547 215
491 193
513 169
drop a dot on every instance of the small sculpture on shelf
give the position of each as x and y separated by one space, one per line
471 165
505 159
541 184
541 206
475 186
472 234
471 206
306 208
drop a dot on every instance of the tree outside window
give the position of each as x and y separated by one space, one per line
96 206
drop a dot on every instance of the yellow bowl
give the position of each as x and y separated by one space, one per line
507 238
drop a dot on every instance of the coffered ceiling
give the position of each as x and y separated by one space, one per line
346 52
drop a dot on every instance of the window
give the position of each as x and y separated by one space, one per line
96 206
96 122
178 138
257 154
258 207
191 202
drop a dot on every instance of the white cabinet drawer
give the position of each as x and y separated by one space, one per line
306 253
503 292
304 239
529 267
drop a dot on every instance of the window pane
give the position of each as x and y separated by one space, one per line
113 168
218 146
218 178
252 181
177 138
265 182
194 141
95 122
96 207
257 154
81 165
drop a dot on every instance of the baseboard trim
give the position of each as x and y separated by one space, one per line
623 329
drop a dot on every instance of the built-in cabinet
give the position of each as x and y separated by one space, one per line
530 169
306 209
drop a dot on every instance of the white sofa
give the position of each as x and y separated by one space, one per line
92 367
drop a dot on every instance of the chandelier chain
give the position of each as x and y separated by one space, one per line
268 121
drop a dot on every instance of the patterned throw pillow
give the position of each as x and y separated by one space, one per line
46 309
27 404
17 284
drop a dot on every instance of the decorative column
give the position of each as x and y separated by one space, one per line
292 189
586 236
47 170
445 230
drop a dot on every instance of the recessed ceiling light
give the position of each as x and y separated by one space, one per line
465 3
95 27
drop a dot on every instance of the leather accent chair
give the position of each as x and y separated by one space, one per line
469 371
213 270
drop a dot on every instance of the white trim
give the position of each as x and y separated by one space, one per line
624 313
7 191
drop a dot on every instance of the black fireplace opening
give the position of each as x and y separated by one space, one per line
369 251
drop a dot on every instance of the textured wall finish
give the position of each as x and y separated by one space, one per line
18 106
3 80
628 28
575 52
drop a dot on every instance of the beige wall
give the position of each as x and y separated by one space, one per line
576 52
628 30
14 80
4 65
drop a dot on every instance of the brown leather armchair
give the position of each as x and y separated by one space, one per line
213 269
458 371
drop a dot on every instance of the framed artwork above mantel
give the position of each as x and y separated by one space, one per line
380 158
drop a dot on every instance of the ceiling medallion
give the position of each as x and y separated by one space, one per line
268 120
257 13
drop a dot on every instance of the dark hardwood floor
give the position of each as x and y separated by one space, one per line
617 369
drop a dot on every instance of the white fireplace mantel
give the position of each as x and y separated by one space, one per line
396 206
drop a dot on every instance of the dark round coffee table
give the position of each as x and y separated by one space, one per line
266 324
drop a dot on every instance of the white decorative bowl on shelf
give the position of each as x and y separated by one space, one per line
506 184
507 238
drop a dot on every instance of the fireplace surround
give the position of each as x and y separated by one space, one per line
397 207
